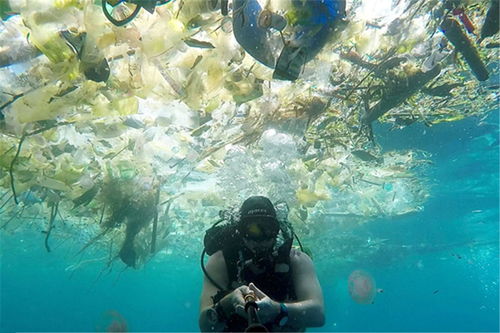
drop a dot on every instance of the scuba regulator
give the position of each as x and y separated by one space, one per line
224 233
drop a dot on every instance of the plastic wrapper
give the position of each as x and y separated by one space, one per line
210 126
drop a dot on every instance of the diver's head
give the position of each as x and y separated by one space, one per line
258 225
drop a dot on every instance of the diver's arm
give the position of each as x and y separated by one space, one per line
309 309
216 268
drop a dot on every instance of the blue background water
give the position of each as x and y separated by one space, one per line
446 279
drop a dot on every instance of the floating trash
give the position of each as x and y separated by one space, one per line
187 110
303 26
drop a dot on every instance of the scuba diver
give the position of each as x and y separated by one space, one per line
252 266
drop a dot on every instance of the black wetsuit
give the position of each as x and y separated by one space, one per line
274 279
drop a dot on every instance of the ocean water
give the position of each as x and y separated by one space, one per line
188 123
438 269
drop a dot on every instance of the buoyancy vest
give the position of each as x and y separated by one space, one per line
272 275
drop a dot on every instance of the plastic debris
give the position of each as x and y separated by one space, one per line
183 101
454 33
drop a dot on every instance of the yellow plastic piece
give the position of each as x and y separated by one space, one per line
34 106
125 106
449 119
162 37
113 2
51 44
212 105
53 184
66 3
68 173
309 198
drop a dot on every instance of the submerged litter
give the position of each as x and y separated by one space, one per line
188 107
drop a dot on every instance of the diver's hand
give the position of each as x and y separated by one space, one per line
268 309
234 302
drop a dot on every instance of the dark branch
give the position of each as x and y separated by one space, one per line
53 213
13 162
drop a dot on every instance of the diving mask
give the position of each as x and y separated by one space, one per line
260 230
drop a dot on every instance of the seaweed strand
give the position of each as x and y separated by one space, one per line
3 195
53 213
155 220
102 213
5 202
19 146
17 214
11 168
14 98
7 151
93 240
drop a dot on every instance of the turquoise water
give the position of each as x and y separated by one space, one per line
188 122
439 268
